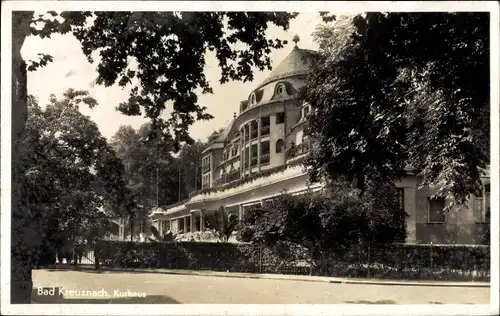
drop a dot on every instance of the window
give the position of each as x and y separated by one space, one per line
253 155
206 164
252 99
254 151
264 152
265 125
206 181
280 89
280 118
254 129
436 210
265 121
264 148
482 206
306 111
280 144
401 198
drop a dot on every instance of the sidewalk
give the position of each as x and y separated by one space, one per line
269 276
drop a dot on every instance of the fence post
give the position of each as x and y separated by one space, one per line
260 259
96 255
369 259
431 256
311 255
474 271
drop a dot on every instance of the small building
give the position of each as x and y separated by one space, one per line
259 156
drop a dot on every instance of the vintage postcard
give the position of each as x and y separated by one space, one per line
250 157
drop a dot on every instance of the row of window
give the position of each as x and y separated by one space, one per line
264 150
279 90
230 152
252 126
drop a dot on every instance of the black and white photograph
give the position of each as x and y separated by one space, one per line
250 157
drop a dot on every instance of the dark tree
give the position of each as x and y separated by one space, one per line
403 90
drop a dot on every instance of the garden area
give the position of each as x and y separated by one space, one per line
335 232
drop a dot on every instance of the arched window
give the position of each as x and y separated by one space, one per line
279 145
252 99
280 89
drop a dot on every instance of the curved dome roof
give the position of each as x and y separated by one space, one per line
298 62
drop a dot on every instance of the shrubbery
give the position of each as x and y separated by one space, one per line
326 221
390 261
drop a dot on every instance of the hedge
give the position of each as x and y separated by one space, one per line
393 261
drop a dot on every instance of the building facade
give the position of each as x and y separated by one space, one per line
259 156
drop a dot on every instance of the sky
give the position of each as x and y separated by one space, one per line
71 69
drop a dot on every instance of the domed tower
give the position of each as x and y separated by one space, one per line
268 119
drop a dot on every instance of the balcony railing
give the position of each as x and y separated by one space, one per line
219 181
229 177
233 175
206 168
254 134
264 131
298 150
264 159
253 162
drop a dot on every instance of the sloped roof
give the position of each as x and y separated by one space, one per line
296 63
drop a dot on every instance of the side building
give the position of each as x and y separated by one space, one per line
259 156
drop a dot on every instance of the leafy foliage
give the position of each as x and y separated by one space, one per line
152 173
189 161
212 137
70 171
146 161
326 221
169 236
162 43
223 223
402 90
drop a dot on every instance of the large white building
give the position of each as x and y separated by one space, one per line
258 157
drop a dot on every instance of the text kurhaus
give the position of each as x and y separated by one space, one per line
61 291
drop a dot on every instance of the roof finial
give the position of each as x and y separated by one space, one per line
234 115
296 39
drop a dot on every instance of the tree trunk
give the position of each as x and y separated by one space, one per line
23 231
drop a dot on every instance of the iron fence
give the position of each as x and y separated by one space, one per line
394 261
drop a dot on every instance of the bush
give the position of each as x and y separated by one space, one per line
174 255
330 220
205 236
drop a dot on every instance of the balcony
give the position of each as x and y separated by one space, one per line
219 181
298 150
264 131
253 162
229 177
233 175
264 159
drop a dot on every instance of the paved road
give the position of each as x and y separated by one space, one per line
168 288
